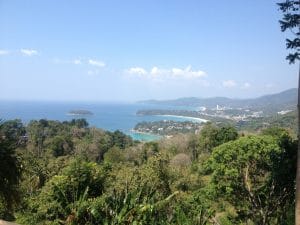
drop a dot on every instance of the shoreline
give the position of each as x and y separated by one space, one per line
156 136
187 117
141 132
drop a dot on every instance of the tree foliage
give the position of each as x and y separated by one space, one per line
74 174
11 136
256 175
291 21
61 198
212 136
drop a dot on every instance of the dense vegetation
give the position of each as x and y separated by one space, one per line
167 127
69 173
252 124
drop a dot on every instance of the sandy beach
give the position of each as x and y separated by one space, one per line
188 118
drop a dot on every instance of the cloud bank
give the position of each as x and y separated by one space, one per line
96 63
4 52
29 52
171 73
229 83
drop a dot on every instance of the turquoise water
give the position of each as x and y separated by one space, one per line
108 116
144 137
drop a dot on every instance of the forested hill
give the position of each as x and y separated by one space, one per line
54 172
283 100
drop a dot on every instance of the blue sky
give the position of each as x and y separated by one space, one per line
139 49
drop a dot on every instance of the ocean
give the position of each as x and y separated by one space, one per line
107 116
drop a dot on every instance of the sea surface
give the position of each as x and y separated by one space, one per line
108 116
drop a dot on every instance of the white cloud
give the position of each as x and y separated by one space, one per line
29 52
4 52
137 71
177 71
229 83
156 71
96 63
187 72
173 73
246 85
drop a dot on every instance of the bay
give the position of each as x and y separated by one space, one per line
107 116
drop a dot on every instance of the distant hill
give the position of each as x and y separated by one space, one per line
279 101
283 100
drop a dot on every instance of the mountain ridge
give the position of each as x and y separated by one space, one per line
283 100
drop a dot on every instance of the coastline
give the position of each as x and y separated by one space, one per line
187 117
144 136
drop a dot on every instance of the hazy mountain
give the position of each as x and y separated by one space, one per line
279 101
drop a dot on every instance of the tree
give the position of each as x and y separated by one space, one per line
65 197
80 123
114 155
256 175
11 136
139 206
37 134
212 136
291 21
61 145
121 140
149 149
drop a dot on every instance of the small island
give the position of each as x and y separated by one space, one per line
80 112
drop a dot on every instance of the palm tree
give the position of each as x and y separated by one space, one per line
291 22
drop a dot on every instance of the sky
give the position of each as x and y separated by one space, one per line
141 49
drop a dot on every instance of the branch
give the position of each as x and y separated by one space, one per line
248 187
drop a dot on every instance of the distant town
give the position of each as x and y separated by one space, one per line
242 118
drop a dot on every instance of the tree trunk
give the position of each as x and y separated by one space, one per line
297 208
